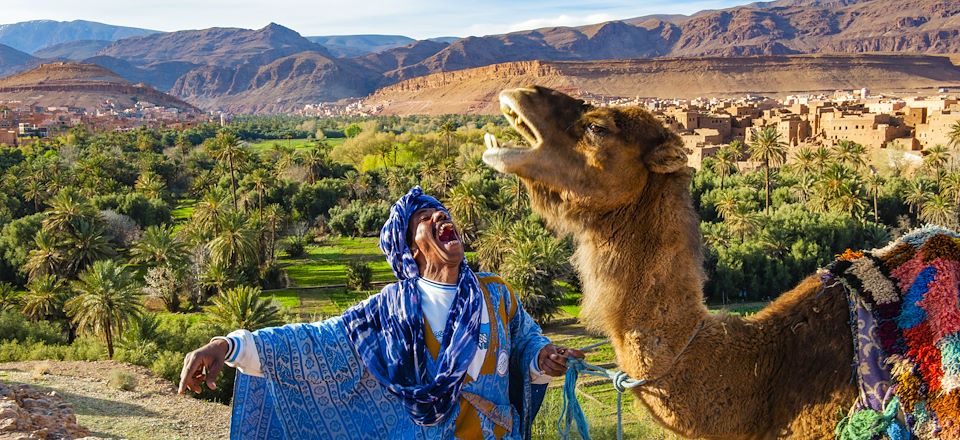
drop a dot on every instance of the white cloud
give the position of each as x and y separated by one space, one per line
415 18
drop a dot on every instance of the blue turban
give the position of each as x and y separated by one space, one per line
388 333
393 235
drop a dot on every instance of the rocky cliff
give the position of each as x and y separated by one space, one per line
475 90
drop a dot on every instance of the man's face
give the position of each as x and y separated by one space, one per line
435 238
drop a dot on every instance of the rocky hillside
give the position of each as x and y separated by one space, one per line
82 85
12 60
29 36
151 410
276 69
777 28
73 50
347 46
475 90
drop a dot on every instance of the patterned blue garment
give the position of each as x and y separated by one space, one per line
315 385
367 374
387 329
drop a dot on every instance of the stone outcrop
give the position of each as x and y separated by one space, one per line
475 90
29 413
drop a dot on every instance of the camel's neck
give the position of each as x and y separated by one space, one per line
641 268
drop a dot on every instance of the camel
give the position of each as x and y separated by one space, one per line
618 181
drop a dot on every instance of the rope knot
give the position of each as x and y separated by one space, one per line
620 380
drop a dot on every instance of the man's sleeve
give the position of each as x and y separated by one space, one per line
242 352
526 336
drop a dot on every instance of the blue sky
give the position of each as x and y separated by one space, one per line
414 18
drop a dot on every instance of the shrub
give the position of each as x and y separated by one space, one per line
122 380
168 365
358 218
242 307
13 326
295 246
139 352
41 369
359 275
272 276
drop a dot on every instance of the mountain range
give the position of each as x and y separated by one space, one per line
275 69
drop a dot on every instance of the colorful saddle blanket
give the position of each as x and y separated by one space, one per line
905 319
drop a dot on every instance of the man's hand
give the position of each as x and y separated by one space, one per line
552 360
203 365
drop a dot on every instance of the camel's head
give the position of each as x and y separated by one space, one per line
582 158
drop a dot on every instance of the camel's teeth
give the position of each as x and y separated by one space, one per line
490 141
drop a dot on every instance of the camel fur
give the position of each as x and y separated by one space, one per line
617 180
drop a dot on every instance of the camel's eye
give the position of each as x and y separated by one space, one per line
596 129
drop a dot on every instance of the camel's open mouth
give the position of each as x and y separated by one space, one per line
500 156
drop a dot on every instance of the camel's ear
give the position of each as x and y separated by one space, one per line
668 157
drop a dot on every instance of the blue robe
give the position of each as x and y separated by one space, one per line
314 384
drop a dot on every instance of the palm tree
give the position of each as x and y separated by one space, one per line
467 204
494 243
227 149
106 299
313 159
150 184
86 244
235 245
847 199
216 277
951 186
726 204
261 181
66 209
46 258
768 148
45 298
742 221
286 158
34 190
804 187
850 153
202 183
939 210
447 130
917 193
874 184
804 161
954 134
242 307
159 247
9 298
209 212
835 183
725 163
272 218
935 159
822 158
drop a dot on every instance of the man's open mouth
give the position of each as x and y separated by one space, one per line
447 233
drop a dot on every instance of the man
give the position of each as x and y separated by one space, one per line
443 353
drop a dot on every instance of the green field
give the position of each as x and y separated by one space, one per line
297 144
184 210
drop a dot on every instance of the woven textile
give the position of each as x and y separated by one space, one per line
315 385
906 322
387 329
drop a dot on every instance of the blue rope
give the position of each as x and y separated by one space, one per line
571 411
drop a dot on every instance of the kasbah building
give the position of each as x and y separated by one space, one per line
904 126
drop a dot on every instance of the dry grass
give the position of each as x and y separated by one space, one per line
151 411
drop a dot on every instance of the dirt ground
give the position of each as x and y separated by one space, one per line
152 411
